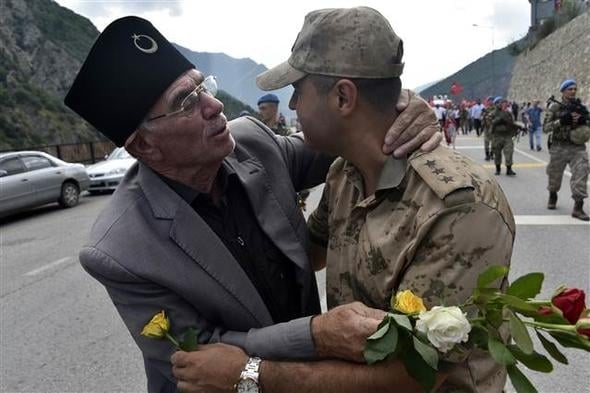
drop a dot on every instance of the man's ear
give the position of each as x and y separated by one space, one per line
347 96
142 147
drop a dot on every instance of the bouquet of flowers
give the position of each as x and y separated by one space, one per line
418 337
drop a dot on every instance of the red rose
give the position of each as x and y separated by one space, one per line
571 302
584 332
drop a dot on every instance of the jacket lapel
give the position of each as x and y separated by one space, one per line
192 234
269 212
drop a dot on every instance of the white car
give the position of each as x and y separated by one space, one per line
106 175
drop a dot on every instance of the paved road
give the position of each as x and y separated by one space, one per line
60 333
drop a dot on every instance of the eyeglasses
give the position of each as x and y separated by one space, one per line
188 104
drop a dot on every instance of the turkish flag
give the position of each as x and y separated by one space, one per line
456 88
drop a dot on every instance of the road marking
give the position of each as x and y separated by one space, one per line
48 266
469 147
549 220
523 165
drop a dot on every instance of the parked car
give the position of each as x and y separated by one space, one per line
106 175
34 178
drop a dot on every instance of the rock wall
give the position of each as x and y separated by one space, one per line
564 54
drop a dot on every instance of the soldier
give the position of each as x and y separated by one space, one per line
487 128
567 148
268 105
503 130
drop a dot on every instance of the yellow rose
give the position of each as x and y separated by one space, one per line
157 327
408 303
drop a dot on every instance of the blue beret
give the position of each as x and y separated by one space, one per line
498 99
567 84
268 98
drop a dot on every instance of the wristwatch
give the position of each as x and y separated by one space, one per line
248 382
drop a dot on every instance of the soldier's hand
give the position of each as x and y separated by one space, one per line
575 118
566 119
415 127
342 332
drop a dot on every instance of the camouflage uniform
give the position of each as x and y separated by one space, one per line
503 130
280 129
564 152
427 228
487 131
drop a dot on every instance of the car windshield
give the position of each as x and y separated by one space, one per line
119 154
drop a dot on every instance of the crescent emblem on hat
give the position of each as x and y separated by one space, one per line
153 47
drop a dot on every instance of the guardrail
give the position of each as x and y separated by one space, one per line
84 153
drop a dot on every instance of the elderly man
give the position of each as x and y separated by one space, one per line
205 226
421 223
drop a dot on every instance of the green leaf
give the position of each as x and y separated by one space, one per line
418 369
495 317
535 361
517 304
570 340
520 333
402 321
490 275
552 349
520 382
189 342
429 354
479 336
527 286
381 329
378 349
500 353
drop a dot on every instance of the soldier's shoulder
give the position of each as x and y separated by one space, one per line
453 177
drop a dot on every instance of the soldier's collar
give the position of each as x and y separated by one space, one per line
393 173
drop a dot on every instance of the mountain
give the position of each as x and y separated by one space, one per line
489 75
42 47
237 76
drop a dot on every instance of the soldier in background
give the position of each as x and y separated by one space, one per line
268 106
562 124
486 116
503 130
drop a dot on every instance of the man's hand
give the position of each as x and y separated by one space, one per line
415 127
212 368
342 332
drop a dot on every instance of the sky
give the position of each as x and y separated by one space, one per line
439 36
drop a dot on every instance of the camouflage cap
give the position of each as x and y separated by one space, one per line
347 42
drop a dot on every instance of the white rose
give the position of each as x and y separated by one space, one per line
444 327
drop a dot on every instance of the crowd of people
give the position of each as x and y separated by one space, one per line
502 121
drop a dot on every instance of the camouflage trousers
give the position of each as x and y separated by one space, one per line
502 144
487 139
562 154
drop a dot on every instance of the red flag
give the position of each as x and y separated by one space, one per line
456 88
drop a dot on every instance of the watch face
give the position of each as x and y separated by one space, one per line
247 385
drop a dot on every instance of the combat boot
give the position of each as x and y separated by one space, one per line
498 169
552 200
487 155
509 171
578 212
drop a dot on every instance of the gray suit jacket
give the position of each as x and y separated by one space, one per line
152 251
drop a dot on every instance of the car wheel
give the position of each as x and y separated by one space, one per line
70 194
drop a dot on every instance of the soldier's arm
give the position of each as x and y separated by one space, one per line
550 121
454 247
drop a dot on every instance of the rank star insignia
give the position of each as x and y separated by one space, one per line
438 171
447 179
430 163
